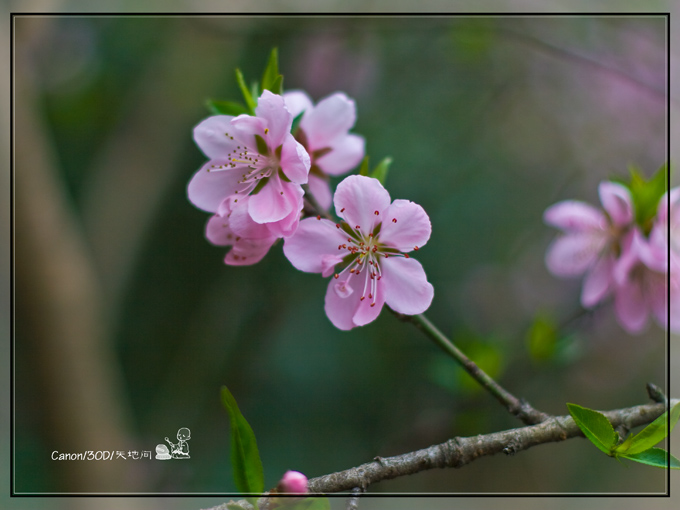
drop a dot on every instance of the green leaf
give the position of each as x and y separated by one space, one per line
255 91
380 171
657 457
542 338
226 107
245 458
271 79
315 503
250 102
595 426
646 194
652 434
363 169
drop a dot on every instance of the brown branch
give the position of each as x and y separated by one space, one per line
460 451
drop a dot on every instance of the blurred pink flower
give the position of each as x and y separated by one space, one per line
592 240
292 482
371 245
232 226
324 132
256 156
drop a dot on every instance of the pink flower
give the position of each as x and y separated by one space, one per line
324 132
232 226
592 240
253 156
370 245
292 482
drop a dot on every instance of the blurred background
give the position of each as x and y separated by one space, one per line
127 322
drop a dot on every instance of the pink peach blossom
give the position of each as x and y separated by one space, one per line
253 156
292 482
324 132
591 240
370 245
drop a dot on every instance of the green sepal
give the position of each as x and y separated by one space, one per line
652 434
296 122
314 503
283 176
595 426
258 187
320 152
657 457
380 171
226 107
646 194
262 146
245 457
271 79
363 169
250 102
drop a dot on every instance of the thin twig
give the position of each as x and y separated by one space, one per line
519 408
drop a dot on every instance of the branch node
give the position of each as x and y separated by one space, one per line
656 394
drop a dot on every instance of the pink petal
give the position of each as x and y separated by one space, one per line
218 232
631 308
573 254
295 161
406 287
206 190
347 153
657 296
288 225
574 216
313 240
629 257
340 305
598 281
370 307
412 227
356 200
242 224
210 136
675 310
244 128
276 200
321 190
616 201
297 102
248 251
331 118
272 109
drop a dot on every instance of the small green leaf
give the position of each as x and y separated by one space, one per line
226 107
657 457
363 169
271 79
262 147
595 426
255 92
380 171
308 504
296 122
245 458
652 434
646 194
250 102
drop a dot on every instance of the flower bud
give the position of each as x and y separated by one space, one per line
292 482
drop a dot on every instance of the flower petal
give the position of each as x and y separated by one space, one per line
244 128
295 161
271 108
206 190
631 308
356 200
617 202
574 216
405 226
340 305
218 231
321 190
370 307
331 118
313 240
347 152
210 136
242 224
598 281
275 201
246 252
297 102
406 287
573 254
288 225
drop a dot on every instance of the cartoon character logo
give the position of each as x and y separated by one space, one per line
181 449
162 452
